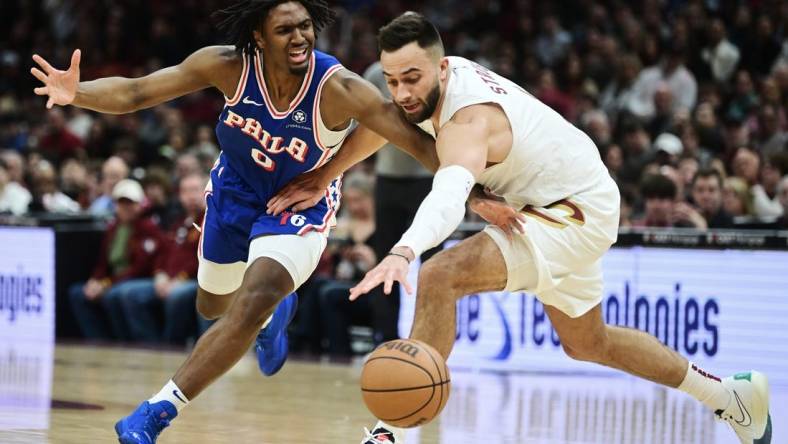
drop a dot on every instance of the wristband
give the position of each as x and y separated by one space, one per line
391 253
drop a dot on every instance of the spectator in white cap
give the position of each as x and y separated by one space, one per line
128 189
127 254
668 148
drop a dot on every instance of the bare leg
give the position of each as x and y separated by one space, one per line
587 338
265 283
211 306
473 265
476 264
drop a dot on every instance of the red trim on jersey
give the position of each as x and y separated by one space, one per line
241 84
200 255
332 209
258 70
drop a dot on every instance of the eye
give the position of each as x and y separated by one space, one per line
412 80
392 82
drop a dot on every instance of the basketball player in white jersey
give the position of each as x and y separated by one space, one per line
490 131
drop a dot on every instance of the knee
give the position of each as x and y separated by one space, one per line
210 308
113 294
254 306
590 349
437 278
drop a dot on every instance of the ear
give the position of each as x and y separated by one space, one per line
443 69
258 39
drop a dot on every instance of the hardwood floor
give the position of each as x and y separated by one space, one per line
309 402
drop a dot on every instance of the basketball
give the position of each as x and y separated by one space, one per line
405 383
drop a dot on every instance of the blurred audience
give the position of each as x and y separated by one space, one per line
782 196
685 100
14 198
130 246
113 171
351 255
707 188
171 293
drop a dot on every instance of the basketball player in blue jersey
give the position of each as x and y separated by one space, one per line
288 110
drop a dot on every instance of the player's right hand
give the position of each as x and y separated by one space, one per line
499 213
303 192
60 86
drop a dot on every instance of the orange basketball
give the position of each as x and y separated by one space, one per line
405 383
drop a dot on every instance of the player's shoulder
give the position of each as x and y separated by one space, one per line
325 59
343 84
457 61
220 66
217 57
477 113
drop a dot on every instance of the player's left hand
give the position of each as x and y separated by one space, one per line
391 268
499 213
303 192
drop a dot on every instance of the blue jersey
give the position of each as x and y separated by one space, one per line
262 149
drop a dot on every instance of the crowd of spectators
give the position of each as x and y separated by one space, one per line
686 101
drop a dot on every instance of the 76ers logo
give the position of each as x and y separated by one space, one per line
296 220
299 116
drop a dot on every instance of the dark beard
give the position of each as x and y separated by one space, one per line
299 70
430 103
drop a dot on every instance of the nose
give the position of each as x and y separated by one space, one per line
402 94
298 36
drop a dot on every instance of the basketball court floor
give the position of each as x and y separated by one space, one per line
75 393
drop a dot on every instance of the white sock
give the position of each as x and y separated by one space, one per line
267 321
171 392
399 433
706 388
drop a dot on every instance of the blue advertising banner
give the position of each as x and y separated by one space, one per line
723 309
27 326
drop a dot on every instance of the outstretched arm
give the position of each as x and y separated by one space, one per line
210 66
462 148
380 121
363 102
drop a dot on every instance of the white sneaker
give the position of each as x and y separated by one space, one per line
748 411
382 433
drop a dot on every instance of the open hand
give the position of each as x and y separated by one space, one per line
392 268
60 86
499 213
93 289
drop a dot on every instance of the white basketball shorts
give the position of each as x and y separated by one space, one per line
559 257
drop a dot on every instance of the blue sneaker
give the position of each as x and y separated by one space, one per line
144 424
271 344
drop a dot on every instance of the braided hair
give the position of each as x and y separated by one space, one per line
240 19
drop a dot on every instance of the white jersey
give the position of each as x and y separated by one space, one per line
550 158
